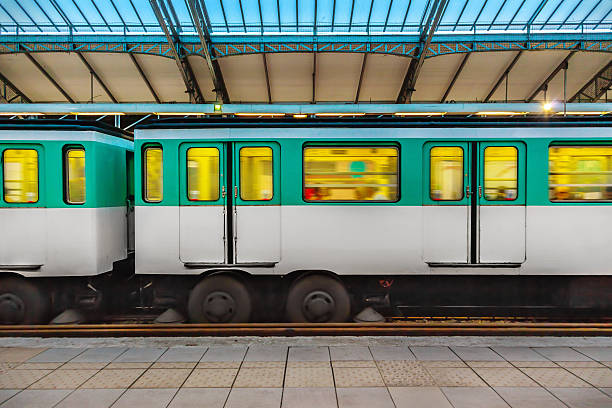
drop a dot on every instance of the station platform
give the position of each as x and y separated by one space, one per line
315 372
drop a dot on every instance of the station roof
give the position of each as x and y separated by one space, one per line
305 51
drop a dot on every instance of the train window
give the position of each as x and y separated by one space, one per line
20 169
580 173
446 173
153 175
203 174
74 176
346 173
500 173
256 178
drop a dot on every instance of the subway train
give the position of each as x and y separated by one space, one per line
305 220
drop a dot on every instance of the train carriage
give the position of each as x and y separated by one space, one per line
63 214
314 218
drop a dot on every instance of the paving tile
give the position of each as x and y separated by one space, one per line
259 378
266 353
224 353
419 397
561 354
358 377
8 366
162 378
582 397
476 353
254 398
200 397
580 364
308 354
145 398
392 353
607 363
535 364
91 398
433 353
263 364
182 355
505 377
140 355
6 394
351 353
488 364
82 366
529 397
56 355
309 363
404 374
38 366
174 365
599 377
364 398
114 378
123 366
307 377
36 399
99 355
18 354
519 354
17 379
554 377
63 379
219 364
348 363
443 363
596 353
455 377
211 377
473 397
607 391
309 397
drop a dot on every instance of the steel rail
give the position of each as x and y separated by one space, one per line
310 329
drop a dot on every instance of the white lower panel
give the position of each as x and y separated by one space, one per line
202 233
23 236
258 233
445 235
502 234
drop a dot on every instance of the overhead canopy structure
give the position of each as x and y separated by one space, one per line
305 51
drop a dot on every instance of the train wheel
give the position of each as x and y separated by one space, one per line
219 299
318 299
22 302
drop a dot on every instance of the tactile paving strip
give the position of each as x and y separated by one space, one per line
162 378
83 366
218 364
19 354
356 363
125 366
63 380
599 377
263 364
115 378
38 366
7 366
455 377
19 379
505 377
488 364
308 364
402 373
357 377
260 378
580 364
173 365
534 364
554 377
304 377
211 377
442 363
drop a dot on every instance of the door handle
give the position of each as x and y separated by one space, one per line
235 191
479 191
467 191
223 192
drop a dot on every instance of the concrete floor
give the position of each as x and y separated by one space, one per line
307 372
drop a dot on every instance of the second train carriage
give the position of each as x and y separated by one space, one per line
308 219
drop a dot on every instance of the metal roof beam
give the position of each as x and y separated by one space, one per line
455 76
50 78
503 76
596 86
265 63
314 77
363 65
412 74
95 75
191 85
144 78
5 82
535 14
213 65
544 84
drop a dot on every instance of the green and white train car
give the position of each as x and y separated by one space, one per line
311 219
63 214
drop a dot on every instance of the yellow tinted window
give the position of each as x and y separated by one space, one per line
500 173
203 174
350 174
580 173
75 174
256 176
446 173
154 172
20 168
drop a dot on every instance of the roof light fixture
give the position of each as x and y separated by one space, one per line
547 107
300 115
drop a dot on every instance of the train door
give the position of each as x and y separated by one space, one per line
22 206
474 207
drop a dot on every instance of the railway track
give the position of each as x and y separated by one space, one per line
313 329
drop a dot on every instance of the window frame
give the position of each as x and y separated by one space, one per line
591 143
145 148
240 172
219 181
365 145
65 150
463 159
39 163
